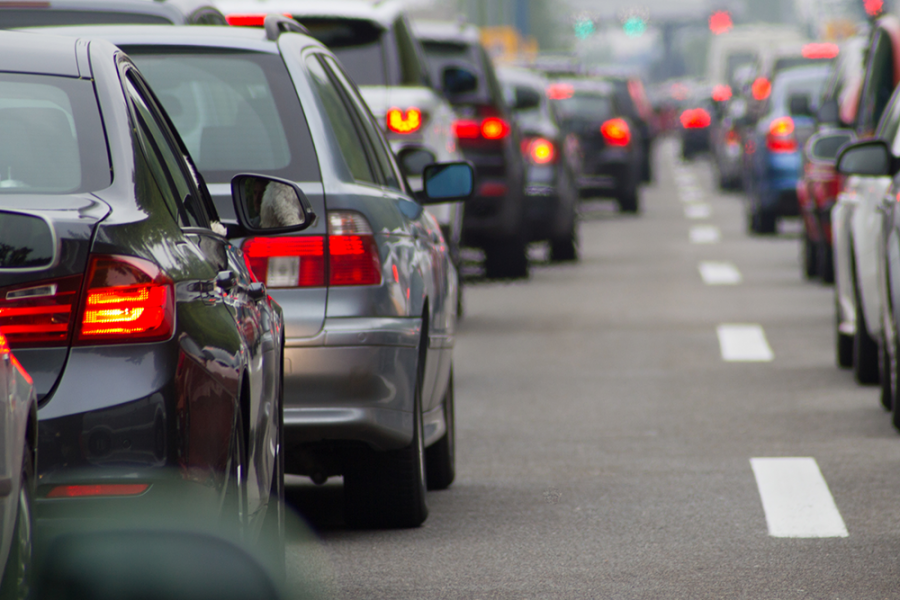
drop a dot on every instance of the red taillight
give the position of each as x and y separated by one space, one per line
249 19
560 91
104 489
466 130
616 132
732 138
352 251
494 128
781 138
695 118
539 151
126 299
39 314
721 93
408 121
761 88
287 262
820 50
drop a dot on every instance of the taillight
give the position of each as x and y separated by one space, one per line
352 251
39 314
539 150
732 138
408 121
616 132
103 489
761 88
560 91
721 93
126 300
695 118
287 262
491 128
249 19
781 136
466 130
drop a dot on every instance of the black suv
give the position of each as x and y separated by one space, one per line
489 138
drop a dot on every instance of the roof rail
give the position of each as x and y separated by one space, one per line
276 24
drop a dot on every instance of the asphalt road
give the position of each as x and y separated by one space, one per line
605 446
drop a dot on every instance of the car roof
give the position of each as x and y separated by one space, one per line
447 31
384 13
38 54
242 38
173 10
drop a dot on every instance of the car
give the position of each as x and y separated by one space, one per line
18 430
156 358
696 121
488 136
551 192
40 13
773 146
608 157
368 291
377 48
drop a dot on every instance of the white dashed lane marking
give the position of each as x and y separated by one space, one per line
796 499
744 343
719 273
698 211
705 234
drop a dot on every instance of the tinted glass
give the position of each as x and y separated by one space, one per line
37 17
359 45
48 121
585 106
442 54
25 242
235 112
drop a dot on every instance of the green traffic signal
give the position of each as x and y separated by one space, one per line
634 26
584 28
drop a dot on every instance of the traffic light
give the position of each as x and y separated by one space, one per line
720 22
584 28
634 26
873 7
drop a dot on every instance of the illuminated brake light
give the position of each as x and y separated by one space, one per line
732 137
761 88
695 118
127 299
104 489
408 121
249 19
721 93
616 132
820 50
539 150
780 138
353 257
466 130
287 262
494 128
39 314
560 91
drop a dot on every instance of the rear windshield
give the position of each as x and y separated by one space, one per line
358 44
236 112
807 83
36 17
585 106
51 136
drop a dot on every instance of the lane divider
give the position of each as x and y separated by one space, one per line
719 273
796 499
705 234
744 343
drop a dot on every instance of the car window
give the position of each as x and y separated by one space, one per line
412 68
585 107
441 54
235 112
351 144
51 122
808 82
379 146
879 86
358 43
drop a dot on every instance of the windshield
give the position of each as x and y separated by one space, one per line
235 112
358 44
51 136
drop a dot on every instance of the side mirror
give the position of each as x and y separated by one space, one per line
526 98
799 106
871 158
829 113
414 160
447 182
269 205
456 81
824 146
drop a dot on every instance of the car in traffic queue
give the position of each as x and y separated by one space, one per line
377 48
42 13
368 290
156 358
696 120
606 154
18 435
773 146
856 221
551 192
495 219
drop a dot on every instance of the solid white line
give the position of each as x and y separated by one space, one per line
698 211
705 234
796 499
744 343
719 273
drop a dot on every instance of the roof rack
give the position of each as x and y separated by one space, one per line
276 24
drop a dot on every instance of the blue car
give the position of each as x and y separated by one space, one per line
774 147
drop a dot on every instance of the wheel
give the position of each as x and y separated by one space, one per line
647 167
865 350
272 540
825 255
18 575
843 343
440 457
387 489
628 201
765 222
810 257
507 259
564 248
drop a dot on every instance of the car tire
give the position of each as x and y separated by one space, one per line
865 350
507 259
18 574
825 256
440 457
810 258
765 222
565 248
387 489
628 201
843 343
273 530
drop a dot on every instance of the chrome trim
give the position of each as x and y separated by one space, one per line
364 331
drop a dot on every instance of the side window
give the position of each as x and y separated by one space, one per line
379 146
168 168
412 65
880 84
348 138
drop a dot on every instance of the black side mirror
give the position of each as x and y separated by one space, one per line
872 158
456 80
269 205
829 113
824 146
414 160
799 106
447 182
526 98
